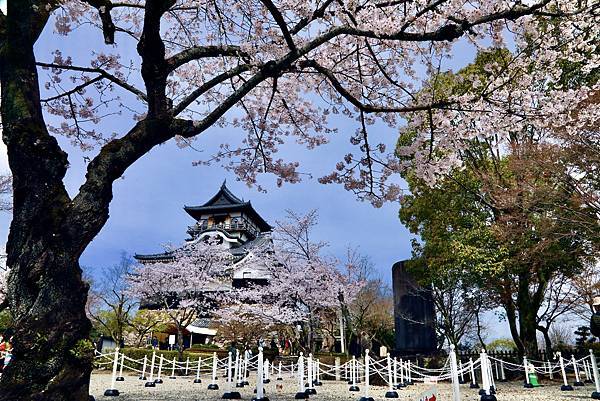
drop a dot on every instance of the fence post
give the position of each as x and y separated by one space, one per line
260 391
301 394
353 372
143 375
151 383
454 373
527 383
566 386
337 368
112 391
473 378
213 384
120 378
578 381
197 379
366 397
390 393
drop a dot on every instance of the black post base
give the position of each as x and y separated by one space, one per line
239 385
527 385
120 379
172 377
264 391
150 384
474 385
111 392
391 394
246 383
158 381
354 388
301 395
596 395
197 380
461 381
366 399
578 384
488 397
567 387
317 383
279 378
260 399
311 391
232 395
213 386
142 378
266 381
350 382
481 391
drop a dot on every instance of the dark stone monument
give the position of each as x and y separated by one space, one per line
414 314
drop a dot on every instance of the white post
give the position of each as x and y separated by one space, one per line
245 374
484 373
143 376
472 369
259 376
238 382
213 384
112 391
401 372
596 375
301 393
462 374
409 372
353 374
566 386
550 370
152 367
342 339
526 366
490 374
337 369
197 379
454 372
395 372
187 365
121 378
576 370
391 393
160 365
279 372
366 373
229 362
310 386
496 368
503 377
266 370
173 370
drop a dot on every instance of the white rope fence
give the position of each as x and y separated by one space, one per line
395 373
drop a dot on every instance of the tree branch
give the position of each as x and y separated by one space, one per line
103 73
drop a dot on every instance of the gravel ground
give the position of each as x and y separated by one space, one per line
182 389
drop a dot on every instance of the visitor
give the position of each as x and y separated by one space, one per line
2 347
154 343
8 352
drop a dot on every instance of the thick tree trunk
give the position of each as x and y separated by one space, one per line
46 294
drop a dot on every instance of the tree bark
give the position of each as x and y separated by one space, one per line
46 294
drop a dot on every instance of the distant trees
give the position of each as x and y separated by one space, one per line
109 305
5 192
187 287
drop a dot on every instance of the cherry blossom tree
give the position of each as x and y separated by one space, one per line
272 70
188 286
303 285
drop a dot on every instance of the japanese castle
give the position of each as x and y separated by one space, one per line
238 225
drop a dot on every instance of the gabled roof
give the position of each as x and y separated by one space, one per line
225 201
